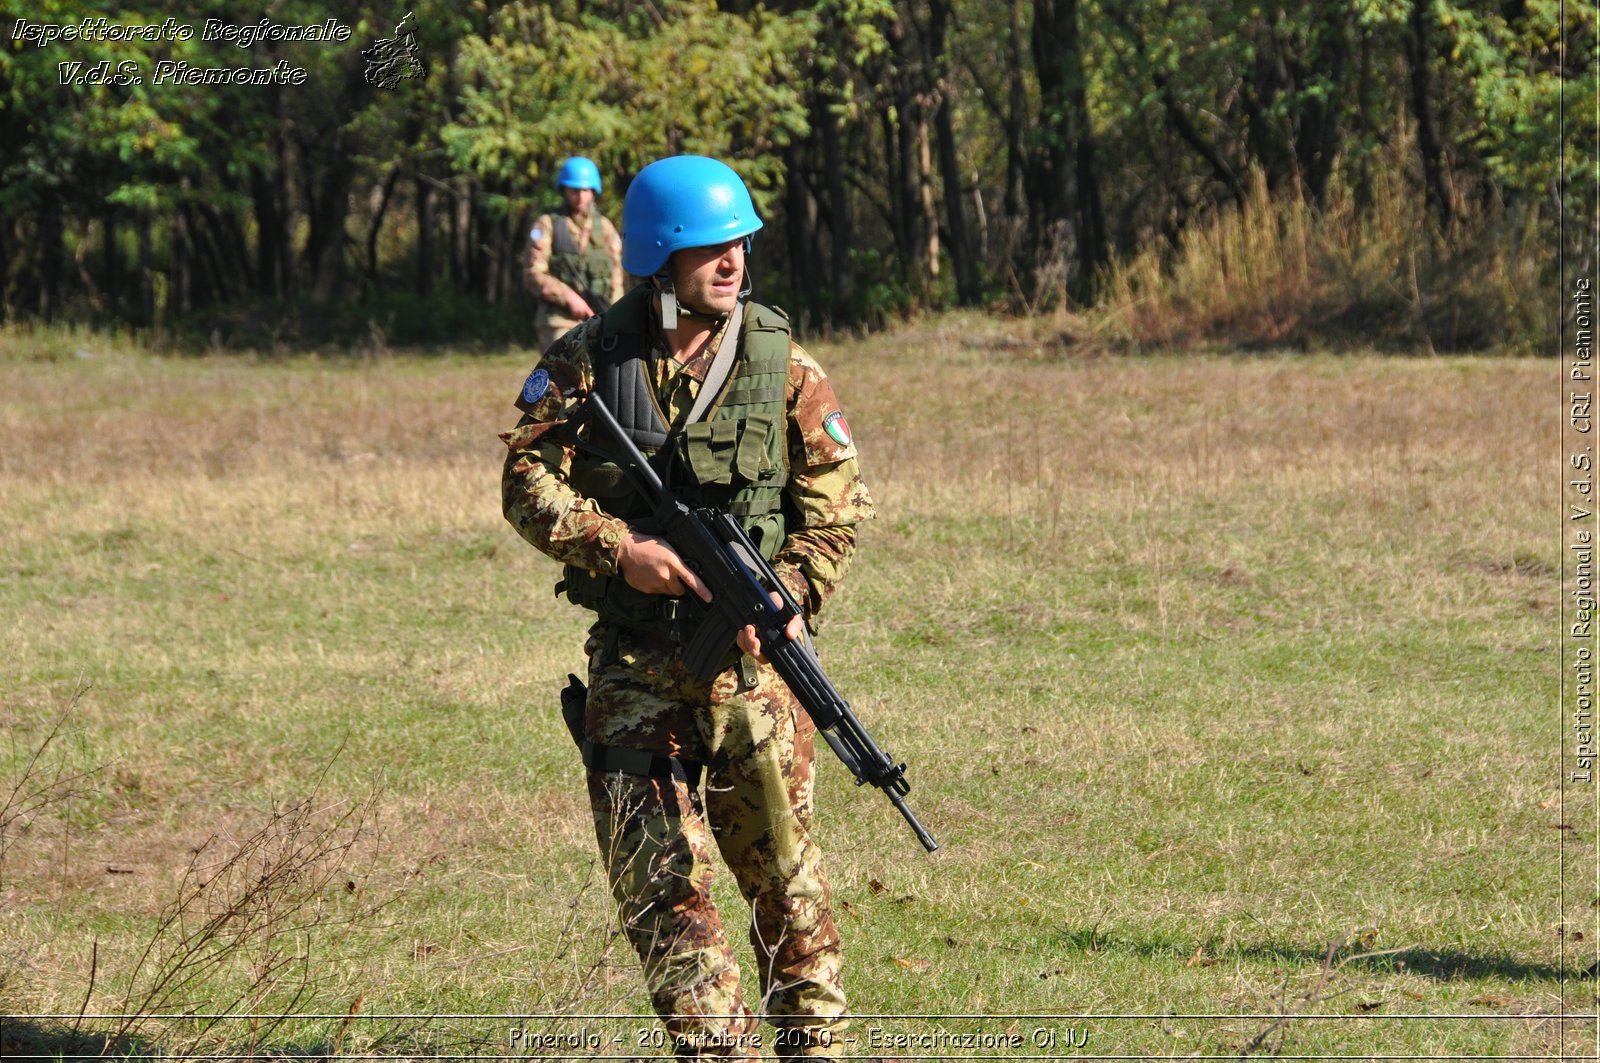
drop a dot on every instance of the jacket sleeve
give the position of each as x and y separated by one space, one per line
825 496
541 282
536 495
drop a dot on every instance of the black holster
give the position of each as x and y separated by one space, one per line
603 758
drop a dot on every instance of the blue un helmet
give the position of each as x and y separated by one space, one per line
684 201
579 172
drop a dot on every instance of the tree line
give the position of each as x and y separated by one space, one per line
904 155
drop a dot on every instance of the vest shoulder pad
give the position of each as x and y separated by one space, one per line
629 315
759 315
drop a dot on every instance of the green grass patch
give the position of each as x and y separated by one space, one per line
1228 685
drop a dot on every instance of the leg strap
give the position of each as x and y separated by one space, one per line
604 758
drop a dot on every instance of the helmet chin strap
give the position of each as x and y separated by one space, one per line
669 301
672 309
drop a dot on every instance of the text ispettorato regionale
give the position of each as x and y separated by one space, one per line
244 35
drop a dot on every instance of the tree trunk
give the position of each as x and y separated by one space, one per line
269 190
272 192
511 259
1436 191
425 270
225 270
326 238
480 255
930 216
210 285
1072 186
147 278
961 253
905 191
325 241
181 292
841 237
385 194
1017 108
288 275
1318 133
110 260
50 240
269 227
894 187
485 250
968 287
7 308
460 233
799 219
982 218
1178 121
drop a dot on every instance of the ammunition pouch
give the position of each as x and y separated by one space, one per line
618 603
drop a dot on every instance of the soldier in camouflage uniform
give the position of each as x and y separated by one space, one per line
776 451
574 255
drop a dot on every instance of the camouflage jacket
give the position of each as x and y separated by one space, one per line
824 498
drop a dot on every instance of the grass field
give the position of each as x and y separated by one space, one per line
1229 685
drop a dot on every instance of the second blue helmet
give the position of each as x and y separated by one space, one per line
579 172
683 201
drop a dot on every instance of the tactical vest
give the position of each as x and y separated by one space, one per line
736 458
582 271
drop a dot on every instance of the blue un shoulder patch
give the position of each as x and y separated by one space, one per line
535 386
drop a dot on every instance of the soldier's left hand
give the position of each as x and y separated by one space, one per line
749 643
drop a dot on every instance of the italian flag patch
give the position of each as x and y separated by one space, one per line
837 430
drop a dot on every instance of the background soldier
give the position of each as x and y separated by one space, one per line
574 255
774 449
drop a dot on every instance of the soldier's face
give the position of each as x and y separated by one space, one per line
708 279
578 199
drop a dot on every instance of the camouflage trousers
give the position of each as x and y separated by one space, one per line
656 834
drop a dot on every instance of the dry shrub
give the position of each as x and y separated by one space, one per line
242 923
1282 272
48 781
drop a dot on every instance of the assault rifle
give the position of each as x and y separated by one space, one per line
714 545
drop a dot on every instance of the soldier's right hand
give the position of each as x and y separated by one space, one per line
651 565
578 307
